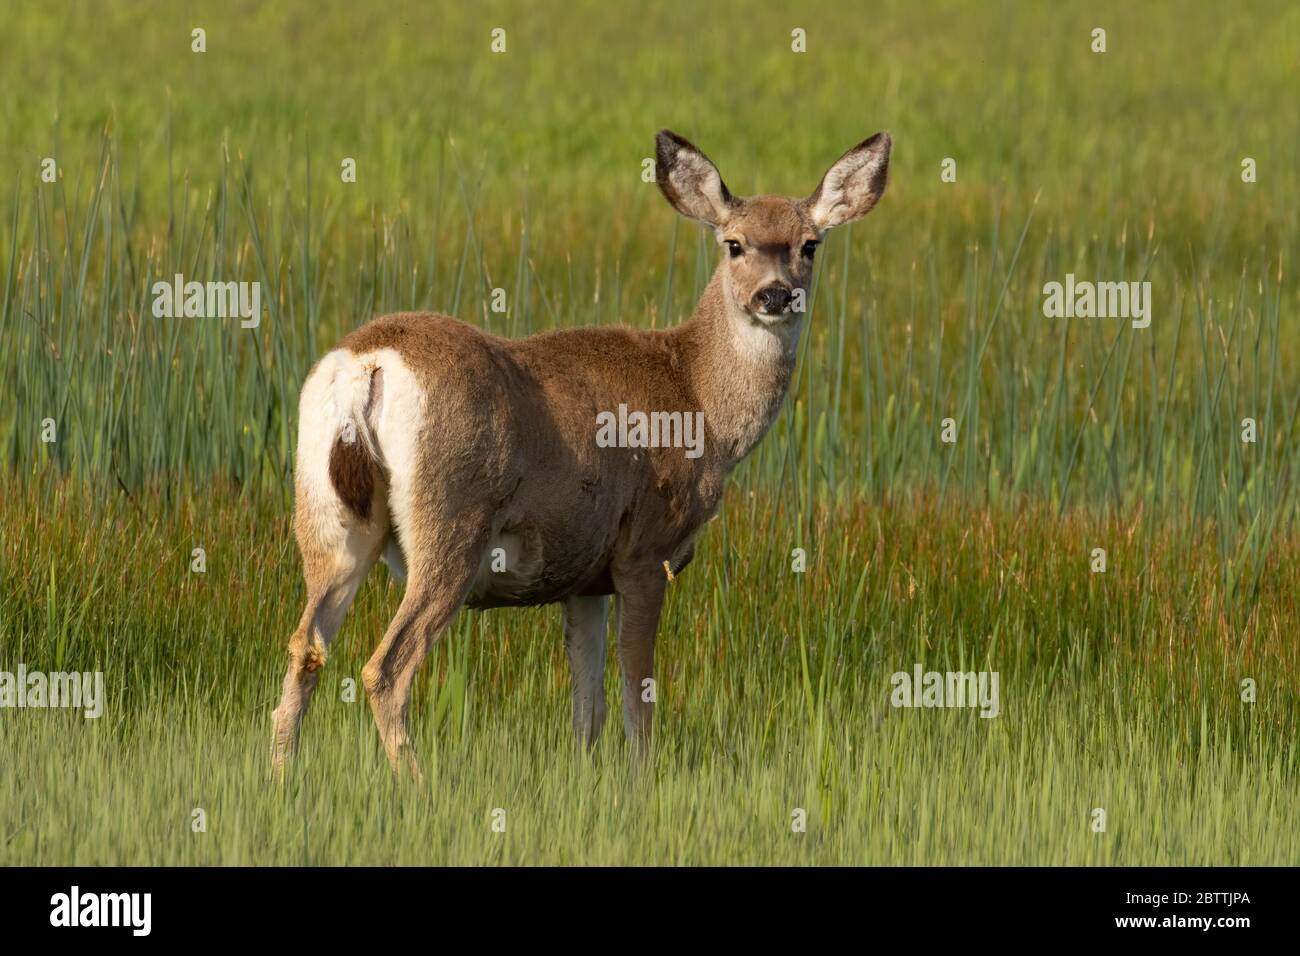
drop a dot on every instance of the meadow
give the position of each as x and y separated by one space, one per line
1161 690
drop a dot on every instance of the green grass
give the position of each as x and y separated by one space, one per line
522 171
1113 695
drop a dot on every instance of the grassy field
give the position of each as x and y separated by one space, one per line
521 171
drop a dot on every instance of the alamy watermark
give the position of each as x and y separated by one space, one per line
946 689
1100 300
75 908
651 430
179 299
24 689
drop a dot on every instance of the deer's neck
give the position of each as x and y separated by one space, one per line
739 368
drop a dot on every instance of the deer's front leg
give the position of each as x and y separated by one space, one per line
640 598
586 620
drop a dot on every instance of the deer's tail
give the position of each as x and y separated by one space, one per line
355 398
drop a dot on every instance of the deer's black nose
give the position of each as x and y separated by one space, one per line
773 299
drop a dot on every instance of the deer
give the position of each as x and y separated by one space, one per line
468 461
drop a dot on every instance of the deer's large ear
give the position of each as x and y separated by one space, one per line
690 181
853 185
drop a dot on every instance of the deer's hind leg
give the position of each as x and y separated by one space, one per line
338 551
443 557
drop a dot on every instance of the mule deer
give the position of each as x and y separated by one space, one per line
469 462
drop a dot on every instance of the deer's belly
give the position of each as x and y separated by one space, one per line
514 575
544 554
516 571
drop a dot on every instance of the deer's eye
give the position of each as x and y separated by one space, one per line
734 248
810 248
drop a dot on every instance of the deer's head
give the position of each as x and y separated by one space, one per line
769 241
